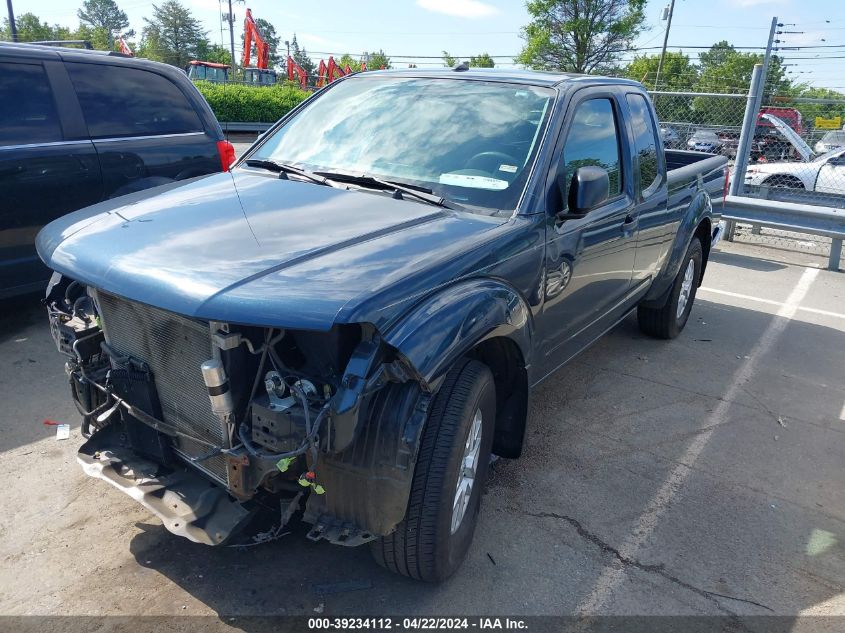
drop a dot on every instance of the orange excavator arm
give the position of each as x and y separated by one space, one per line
262 49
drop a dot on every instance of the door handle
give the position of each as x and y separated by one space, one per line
628 225
629 220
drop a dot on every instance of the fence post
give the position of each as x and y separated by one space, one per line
746 135
835 254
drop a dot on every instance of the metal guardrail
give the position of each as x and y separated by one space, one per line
790 216
241 126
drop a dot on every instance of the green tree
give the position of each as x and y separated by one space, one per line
98 36
482 61
809 111
377 59
677 73
217 54
449 61
579 36
716 56
300 56
348 60
173 35
105 15
30 29
268 31
726 70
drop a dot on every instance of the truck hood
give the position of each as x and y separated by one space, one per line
246 247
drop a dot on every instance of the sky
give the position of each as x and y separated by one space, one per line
417 31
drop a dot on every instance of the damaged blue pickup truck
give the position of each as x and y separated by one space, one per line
350 322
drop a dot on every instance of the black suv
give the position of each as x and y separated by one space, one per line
78 127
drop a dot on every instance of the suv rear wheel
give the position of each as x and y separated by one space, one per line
431 541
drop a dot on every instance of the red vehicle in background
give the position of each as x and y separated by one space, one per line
769 145
790 116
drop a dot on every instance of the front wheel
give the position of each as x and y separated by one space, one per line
668 320
431 541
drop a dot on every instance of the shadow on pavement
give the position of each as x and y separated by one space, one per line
745 261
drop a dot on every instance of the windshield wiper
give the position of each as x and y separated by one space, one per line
399 189
284 168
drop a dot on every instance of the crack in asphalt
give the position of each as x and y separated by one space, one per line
658 569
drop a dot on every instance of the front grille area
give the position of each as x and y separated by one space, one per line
174 347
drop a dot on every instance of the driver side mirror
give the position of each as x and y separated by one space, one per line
588 188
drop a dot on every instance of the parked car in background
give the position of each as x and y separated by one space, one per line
705 141
830 141
78 127
823 174
359 315
671 138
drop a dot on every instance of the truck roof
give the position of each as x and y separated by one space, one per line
510 75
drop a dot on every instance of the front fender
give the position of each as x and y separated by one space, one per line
368 477
447 325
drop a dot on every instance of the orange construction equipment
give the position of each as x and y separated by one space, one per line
295 69
124 47
327 73
253 34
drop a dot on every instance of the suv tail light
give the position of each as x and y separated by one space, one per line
227 154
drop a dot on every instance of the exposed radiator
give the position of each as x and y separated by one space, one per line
174 347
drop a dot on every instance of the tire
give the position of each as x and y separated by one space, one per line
665 322
784 182
423 546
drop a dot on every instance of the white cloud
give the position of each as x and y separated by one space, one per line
459 8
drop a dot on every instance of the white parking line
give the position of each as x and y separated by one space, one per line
610 578
737 295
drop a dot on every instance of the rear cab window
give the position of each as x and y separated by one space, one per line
645 144
27 111
118 101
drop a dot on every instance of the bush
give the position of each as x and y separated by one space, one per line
237 102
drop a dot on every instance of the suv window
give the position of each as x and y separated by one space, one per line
27 112
645 142
594 140
122 101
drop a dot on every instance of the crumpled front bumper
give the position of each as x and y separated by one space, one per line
187 504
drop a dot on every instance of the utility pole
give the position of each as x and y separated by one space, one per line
13 29
231 39
665 42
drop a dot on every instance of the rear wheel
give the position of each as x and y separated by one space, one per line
784 182
432 540
668 320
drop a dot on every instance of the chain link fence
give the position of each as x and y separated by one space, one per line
797 153
703 122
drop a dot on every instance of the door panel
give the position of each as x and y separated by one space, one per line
589 261
650 191
832 177
144 128
40 183
133 164
42 175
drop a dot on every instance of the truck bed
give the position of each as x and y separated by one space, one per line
683 166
